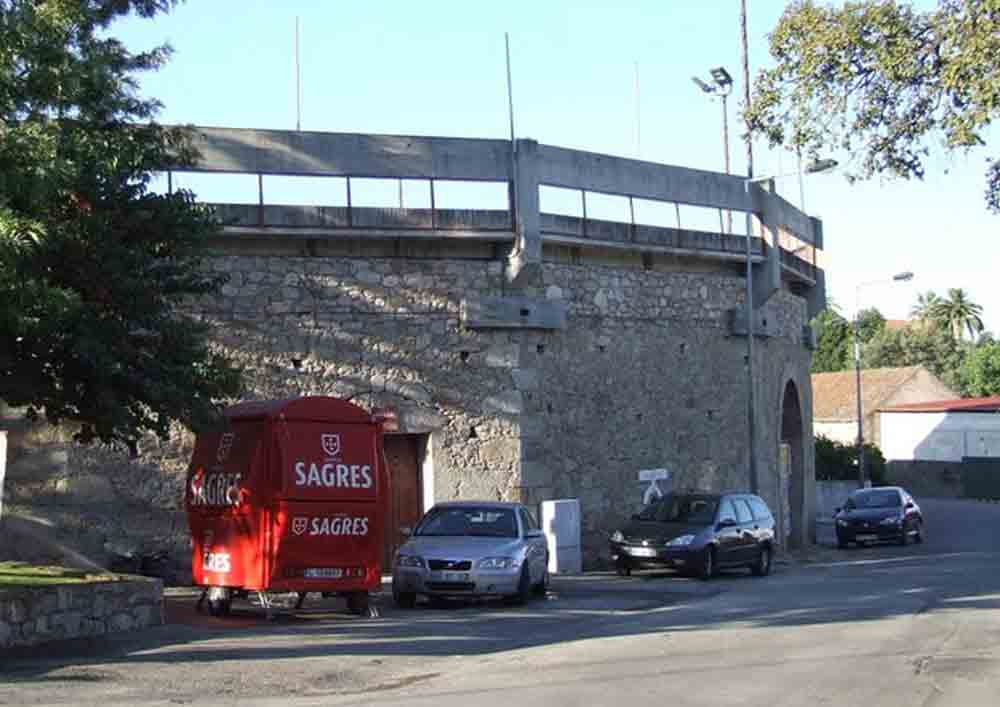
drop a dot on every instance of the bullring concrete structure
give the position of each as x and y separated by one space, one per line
528 355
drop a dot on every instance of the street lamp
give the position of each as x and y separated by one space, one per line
863 480
721 86
812 168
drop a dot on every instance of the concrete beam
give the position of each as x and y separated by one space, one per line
512 313
288 152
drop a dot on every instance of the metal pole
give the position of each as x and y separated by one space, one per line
802 182
748 296
725 143
510 90
298 87
862 470
751 431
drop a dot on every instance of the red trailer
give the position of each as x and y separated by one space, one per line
289 497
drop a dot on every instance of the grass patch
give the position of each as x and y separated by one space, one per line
22 574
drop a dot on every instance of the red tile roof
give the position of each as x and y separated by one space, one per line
835 397
990 404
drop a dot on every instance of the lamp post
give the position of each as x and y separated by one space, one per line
812 168
863 480
721 86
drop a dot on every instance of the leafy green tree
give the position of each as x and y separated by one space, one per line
833 342
980 372
960 314
835 337
933 348
836 461
926 310
883 82
95 269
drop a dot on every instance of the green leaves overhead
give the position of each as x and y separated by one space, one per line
96 271
883 83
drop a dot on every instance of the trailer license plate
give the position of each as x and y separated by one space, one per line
324 572
641 551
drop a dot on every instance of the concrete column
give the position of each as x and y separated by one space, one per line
525 263
767 280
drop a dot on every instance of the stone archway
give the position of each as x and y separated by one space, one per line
791 476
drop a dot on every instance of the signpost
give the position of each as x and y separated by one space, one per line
654 477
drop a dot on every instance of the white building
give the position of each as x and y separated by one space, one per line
945 430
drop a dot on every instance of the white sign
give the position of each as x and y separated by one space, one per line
654 475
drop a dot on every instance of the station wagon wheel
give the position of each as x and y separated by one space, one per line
404 600
543 585
707 569
762 567
523 587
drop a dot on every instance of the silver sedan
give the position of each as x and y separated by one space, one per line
472 548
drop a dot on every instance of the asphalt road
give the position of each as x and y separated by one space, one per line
886 625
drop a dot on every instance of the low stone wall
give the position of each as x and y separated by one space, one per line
830 495
926 479
33 615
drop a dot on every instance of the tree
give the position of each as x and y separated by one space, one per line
926 310
836 461
981 370
883 82
960 314
931 347
833 342
835 337
95 269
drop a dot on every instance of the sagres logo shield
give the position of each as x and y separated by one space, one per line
299 525
225 444
331 444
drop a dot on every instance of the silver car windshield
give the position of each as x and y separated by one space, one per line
475 521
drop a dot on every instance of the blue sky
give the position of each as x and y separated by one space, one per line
437 68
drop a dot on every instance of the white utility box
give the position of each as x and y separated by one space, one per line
561 523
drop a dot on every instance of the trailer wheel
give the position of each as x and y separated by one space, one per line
219 607
300 600
220 601
357 603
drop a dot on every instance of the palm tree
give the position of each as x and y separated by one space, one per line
960 313
926 308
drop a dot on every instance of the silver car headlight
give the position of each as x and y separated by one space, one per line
410 561
617 537
497 563
681 540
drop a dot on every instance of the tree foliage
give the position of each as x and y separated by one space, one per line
981 370
835 337
931 347
959 314
836 461
95 269
883 83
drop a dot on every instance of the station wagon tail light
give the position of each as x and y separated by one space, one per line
681 540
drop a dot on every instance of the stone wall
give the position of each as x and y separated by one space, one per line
646 374
34 615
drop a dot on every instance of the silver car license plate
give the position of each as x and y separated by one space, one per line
454 576
641 551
